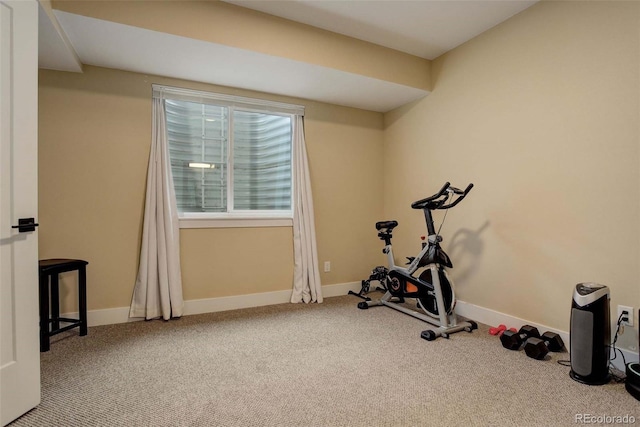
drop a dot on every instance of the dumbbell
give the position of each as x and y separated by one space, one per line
499 330
513 340
537 348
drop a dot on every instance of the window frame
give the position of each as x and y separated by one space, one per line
236 218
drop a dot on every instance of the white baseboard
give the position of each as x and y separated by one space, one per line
111 316
494 318
210 305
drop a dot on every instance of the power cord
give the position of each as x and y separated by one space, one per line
624 317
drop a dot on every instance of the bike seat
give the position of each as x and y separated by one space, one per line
389 225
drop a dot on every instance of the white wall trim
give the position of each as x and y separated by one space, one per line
210 305
494 318
111 316
234 222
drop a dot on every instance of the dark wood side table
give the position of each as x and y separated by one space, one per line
50 322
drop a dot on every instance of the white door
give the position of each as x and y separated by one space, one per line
19 340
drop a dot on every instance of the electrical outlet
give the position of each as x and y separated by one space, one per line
629 311
327 266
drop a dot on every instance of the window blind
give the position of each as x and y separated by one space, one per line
228 155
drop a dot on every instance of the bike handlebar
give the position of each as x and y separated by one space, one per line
462 195
436 202
419 204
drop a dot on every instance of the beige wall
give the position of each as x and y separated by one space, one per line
542 114
94 141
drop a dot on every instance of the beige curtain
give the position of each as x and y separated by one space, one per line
306 276
158 288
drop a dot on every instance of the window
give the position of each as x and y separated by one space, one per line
231 157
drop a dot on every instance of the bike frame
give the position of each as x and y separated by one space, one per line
447 323
443 318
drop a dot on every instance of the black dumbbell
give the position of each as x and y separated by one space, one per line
513 340
537 348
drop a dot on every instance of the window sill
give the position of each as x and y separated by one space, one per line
234 222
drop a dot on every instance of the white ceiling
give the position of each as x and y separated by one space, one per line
425 28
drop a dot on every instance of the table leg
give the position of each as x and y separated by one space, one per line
55 303
44 312
82 299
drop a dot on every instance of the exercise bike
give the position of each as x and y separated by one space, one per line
432 290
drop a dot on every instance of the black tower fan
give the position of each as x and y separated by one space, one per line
590 334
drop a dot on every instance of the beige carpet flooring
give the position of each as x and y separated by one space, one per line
327 364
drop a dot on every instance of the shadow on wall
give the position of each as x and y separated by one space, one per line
465 250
